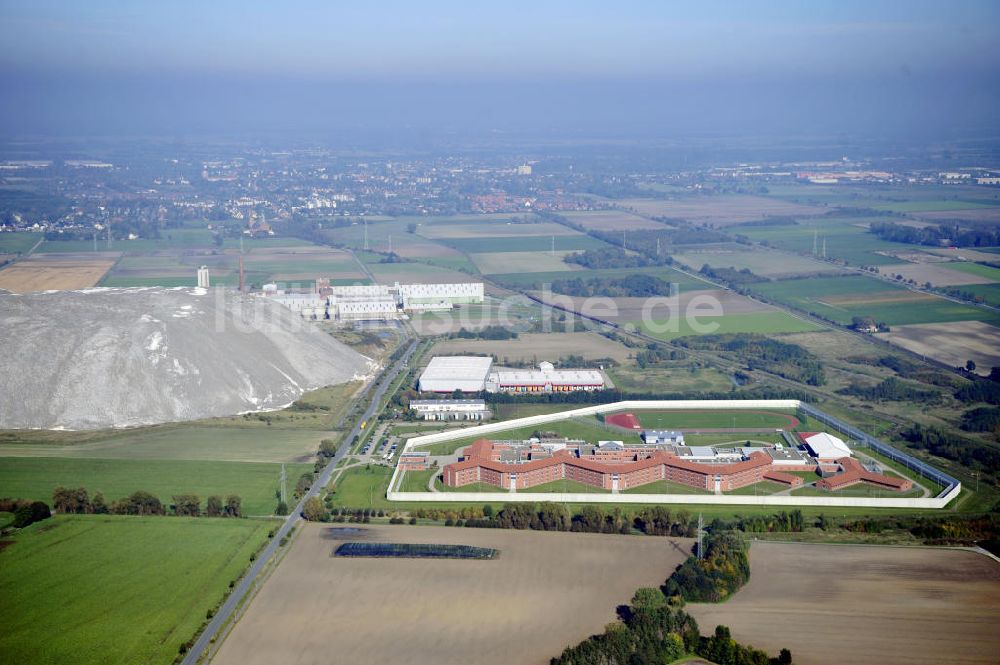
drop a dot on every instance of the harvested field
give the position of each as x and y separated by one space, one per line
630 309
937 274
859 604
503 262
389 273
989 214
529 347
758 261
56 273
965 254
720 210
952 343
444 611
494 229
612 220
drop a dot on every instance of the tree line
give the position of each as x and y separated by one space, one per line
77 501
635 286
969 235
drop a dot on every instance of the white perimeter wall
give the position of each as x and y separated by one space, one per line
712 499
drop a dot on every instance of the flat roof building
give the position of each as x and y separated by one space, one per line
825 446
450 409
446 374
545 379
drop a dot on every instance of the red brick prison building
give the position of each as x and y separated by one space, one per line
612 465
615 468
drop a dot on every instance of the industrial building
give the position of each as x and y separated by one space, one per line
545 379
451 409
616 466
467 373
361 302
446 374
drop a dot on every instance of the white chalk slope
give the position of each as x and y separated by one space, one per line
124 357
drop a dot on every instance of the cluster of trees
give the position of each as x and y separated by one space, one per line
656 353
867 323
25 512
891 389
969 452
981 419
493 332
609 257
634 286
78 501
731 276
655 629
722 569
987 392
969 235
759 352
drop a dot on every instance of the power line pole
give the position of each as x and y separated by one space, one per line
553 252
366 233
283 497
701 526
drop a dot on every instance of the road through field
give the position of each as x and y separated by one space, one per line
225 612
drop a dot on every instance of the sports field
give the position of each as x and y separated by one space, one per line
316 608
91 589
865 605
705 421
34 478
41 272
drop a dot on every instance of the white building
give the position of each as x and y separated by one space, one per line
545 379
203 281
450 409
655 437
446 374
825 446
378 301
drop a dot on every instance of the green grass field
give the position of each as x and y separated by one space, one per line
761 488
537 279
416 481
35 478
978 269
669 379
109 589
566 485
664 487
522 243
12 243
228 444
843 237
713 420
868 296
754 322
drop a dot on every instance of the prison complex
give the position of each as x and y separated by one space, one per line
614 466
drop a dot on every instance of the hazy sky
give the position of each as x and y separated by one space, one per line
617 68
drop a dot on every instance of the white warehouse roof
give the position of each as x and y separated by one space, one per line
445 374
826 446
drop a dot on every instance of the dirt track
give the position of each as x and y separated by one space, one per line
545 592
855 604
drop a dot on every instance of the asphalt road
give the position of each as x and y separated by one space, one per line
249 580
